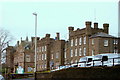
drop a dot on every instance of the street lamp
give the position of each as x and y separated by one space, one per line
35 14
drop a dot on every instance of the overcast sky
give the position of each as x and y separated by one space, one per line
56 16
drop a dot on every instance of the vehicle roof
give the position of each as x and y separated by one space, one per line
110 55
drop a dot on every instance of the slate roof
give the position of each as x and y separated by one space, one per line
101 34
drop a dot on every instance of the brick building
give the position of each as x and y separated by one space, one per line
43 52
10 58
80 42
103 43
50 52
57 53
53 52
24 56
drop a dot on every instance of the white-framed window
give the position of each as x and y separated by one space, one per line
45 66
29 69
72 42
45 48
37 50
65 54
105 42
115 41
93 52
37 57
42 56
71 61
76 42
84 51
71 53
84 40
80 52
115 51
27 58
40 66
34 58
92 41
57 55
76 52
45 56
80 41
40 49
76 61
57 64
51 56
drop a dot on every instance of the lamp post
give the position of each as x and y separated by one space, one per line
35 14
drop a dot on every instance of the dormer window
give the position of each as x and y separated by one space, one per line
27 46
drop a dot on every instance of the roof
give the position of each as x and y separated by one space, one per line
101 34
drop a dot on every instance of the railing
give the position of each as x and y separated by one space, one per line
91 62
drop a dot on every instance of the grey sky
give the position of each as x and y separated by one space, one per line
56 17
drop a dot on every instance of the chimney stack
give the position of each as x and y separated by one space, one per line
96 25
26 38
58 36
48 35
70 28
88 27
88 24
33 38
106 28
17 43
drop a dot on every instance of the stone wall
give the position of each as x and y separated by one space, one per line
97 73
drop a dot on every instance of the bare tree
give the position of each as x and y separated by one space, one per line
5 38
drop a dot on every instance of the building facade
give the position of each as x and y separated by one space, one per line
57 53
43 52
54 52
103 43
10 58
79 42
50 53
24 56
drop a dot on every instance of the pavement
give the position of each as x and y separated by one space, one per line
24 79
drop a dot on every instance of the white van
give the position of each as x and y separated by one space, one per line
74 65
108 59
85 61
